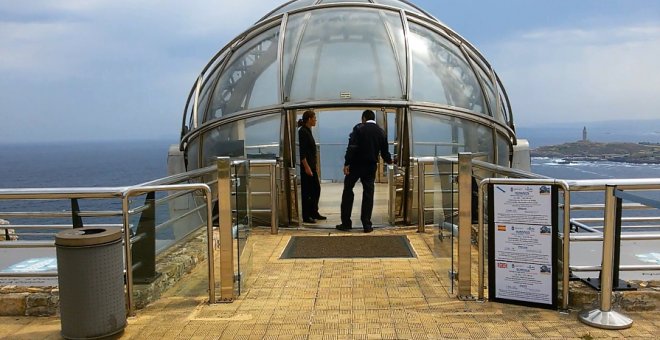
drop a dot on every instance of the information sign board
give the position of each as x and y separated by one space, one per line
522 236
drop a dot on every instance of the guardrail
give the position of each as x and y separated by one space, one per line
470 171
186 215
120 193
615 191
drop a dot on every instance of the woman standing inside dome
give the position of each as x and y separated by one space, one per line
309 178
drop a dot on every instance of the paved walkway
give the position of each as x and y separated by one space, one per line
381 298
340 299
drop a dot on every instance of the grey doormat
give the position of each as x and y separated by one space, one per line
315 247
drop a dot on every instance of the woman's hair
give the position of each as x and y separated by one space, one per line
306 116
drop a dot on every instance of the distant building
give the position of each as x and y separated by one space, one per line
584 134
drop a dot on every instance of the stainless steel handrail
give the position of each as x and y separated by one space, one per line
142 189
567 186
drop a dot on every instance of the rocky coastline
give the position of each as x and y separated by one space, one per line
638 153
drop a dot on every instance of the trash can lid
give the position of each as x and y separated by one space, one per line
82 237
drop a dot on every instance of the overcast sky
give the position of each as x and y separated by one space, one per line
120 69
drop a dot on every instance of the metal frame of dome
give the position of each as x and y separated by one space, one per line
476 61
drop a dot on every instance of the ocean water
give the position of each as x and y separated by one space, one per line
85 164
129 163
598 170
124 163
593 170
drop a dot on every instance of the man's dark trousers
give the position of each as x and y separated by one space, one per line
366 173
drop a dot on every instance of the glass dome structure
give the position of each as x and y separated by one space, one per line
433 92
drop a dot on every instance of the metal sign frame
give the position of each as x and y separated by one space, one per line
519 216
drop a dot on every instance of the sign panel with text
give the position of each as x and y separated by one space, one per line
522 236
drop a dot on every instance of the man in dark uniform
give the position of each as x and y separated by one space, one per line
365 144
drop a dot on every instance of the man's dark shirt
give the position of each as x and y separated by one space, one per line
307 146
365 143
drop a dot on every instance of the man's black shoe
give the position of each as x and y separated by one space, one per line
309 220
368 229
343 227
320 217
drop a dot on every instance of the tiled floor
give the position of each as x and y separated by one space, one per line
380 298
340 299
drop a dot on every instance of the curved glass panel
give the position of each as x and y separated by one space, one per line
207 88
262 137
490 92
290 7
192 154
339 1
504 110
247 70
256 137
440 72
399 4
503 149
438 135
264 91
342 54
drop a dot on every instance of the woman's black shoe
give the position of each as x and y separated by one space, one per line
320 217
309 220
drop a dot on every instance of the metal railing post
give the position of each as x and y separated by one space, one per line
605 317
481 241
421 201
75 214
274 211
128 257
566 249
144 249
391 186
225 232
464 224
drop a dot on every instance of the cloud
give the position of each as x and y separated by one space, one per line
590 74
105 69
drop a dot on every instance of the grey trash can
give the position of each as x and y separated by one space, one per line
91 282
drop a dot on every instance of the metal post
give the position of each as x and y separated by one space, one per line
566 248
391 186
464 224
127 257
75 214
144 249
225 221
617 245
209 243
421 201
248 192
274 211
480 240
605 317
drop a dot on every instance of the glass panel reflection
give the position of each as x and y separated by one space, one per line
503 149
399 4
440 72
248 80
192 154
290 7
256 137
437 135
206 90
344 53
490 92
338 1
